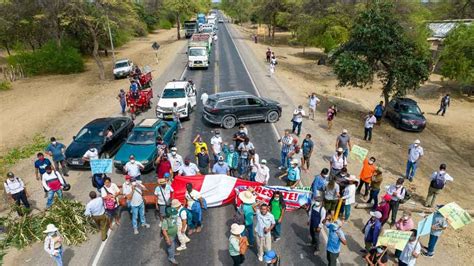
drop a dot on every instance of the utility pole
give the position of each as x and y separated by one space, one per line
111 40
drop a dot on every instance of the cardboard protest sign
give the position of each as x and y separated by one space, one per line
457 216
359 153
424 226
101 166
394 238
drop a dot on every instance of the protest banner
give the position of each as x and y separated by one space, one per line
294 198
100 166
457 216
394 238
358 153
424 226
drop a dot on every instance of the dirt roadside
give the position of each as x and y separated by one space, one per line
82 98
445 140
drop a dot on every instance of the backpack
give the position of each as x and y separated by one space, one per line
439 181
407 196
94 182
315 216
189 216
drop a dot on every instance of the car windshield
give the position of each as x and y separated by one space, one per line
173 93
410 109
121 64
197 52
189 26
141 138
207 30
90 135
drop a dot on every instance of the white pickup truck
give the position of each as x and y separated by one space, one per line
181 92
122 68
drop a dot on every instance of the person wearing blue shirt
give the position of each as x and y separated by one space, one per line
319 182
307 147
335 238
294 174
221 168
40 165
56 151
378 111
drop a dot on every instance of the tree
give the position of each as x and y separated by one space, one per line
379 47
457 56
181 8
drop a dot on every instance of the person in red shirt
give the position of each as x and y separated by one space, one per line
366 174
163 166
384 208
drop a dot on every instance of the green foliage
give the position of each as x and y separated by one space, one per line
378 46
38 143
66 215
332 38
5 85
49 59
165 24
457 57
453 9
148 16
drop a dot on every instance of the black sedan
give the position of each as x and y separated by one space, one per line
104 134
406 114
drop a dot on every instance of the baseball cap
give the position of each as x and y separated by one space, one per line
263 161
174 149
269 255
344 130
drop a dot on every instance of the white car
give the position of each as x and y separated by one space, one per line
181 92
122 68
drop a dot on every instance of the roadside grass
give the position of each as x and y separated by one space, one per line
5 85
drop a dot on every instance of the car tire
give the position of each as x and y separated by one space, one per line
228 122
272 117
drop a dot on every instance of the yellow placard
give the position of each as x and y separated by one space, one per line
394 238
457 216
359 153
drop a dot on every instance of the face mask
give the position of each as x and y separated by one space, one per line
344 134
398 186
187 164
379 250
203 153
343 174
91 149
442 171
413 238
221 162
241 131
416 145
277 198
54 142
317 203
127 182
371 162
163 186
173 153
132 161
217 135
405 218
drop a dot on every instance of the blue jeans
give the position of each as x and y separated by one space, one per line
138 210
243 166
250 234
347 211
284 159
432 244
59 258
411 170
297 126
171 249
123 105
345 154
277 229
374 195
51 197
252 176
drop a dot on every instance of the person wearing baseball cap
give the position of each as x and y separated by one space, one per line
337 162
384 208
415 152
164 194
372 230
293 174
235 241
344 141
15 187
271 258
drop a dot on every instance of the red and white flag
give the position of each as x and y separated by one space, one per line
217 190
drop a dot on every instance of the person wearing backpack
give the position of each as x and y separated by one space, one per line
109 193
95 209
438 180
15 187
184 215
248 210
169 228
238 244
53 183
316 215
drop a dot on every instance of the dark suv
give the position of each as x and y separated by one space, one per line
406 114
229 108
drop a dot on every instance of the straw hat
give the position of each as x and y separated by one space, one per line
50 229
237 229
161 181
175 203
247 197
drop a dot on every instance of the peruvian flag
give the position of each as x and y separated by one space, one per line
217 190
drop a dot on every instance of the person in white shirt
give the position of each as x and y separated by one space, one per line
254 160
415 152
370 121
176 160
53 244
109 192
348 196
188 168
181 223
163 193
91 154
216 144
127 191
297 120
133 168
204 97
263 172
338 161
411 251
397 192
312 104
53 183
15 187
95 209
138 206
437 182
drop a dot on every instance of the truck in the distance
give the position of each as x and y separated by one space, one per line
201 19
199 49
190 27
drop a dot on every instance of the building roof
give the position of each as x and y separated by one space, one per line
441 29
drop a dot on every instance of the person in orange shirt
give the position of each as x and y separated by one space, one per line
366 174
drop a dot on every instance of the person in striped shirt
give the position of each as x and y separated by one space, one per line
286 146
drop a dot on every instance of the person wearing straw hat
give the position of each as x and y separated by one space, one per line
236 241
182 223
163 193
53 244
169 228
372 230
271 258
293 174
248 210
348 195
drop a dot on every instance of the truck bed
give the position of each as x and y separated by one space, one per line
200 37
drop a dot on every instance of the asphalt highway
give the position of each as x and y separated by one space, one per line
210 247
